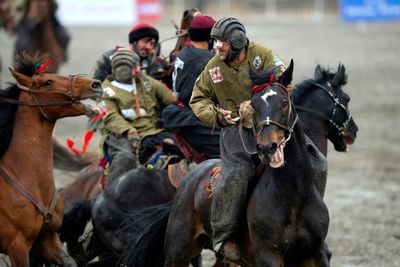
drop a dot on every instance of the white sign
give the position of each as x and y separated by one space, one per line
97 12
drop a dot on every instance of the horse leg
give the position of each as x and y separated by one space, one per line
180 238
51 249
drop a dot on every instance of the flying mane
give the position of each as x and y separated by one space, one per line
301 90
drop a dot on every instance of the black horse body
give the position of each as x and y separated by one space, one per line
114 210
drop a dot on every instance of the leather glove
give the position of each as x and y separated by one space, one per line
224 118
133 137
262 77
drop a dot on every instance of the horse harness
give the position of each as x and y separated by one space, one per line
257 130
36 103
47 214
339 128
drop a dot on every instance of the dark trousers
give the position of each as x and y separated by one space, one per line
237 168
121 154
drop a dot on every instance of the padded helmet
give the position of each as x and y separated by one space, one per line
231 30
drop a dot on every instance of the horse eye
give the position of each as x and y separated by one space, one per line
285 104
48 82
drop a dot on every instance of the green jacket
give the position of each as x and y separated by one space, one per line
220 84
120 103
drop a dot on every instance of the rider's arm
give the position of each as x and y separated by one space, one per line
203 100
114 122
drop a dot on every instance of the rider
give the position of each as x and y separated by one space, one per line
143 39
189 63
225 83
131 99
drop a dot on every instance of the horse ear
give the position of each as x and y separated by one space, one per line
20 78
286 77
318 72
340 76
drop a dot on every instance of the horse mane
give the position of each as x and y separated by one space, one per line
24 64
322 76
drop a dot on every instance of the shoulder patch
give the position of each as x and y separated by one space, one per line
216 74
147 86
257 62
109 92
279 63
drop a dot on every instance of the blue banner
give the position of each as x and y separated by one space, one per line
370 10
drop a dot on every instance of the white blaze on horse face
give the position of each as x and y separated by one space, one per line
267 95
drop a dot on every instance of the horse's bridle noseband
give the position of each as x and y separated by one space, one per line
339 128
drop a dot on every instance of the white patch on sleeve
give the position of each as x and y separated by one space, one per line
216 74
108 91
267 95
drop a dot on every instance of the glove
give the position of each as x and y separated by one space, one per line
262 77
133 137
224 118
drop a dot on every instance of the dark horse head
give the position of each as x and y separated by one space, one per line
326 87
274 120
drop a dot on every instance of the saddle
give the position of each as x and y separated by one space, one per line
177 171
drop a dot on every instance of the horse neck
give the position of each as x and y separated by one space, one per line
315 128
30 153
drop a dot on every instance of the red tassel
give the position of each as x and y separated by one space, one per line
86 140
43 66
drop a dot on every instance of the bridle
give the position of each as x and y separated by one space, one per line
71 99
267 121
340 128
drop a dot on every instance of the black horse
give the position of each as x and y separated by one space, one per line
143 188
287 221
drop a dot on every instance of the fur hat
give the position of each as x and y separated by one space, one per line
200 28
142 30
124 57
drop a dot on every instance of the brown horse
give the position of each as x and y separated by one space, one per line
30 207
40 31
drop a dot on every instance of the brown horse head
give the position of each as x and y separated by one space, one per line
52 92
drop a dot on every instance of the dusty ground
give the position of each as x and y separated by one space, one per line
363 185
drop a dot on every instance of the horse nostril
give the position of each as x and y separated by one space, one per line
268 149
96 85
272 148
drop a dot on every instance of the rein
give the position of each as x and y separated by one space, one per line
47 214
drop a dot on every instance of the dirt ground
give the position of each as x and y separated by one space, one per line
363 185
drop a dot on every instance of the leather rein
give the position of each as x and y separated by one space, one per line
46 213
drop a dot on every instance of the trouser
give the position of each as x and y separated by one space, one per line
122 156
202 140
237 168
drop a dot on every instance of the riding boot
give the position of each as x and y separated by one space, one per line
229 195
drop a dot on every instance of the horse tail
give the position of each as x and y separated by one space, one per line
148 248
75 221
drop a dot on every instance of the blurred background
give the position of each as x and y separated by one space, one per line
363 185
